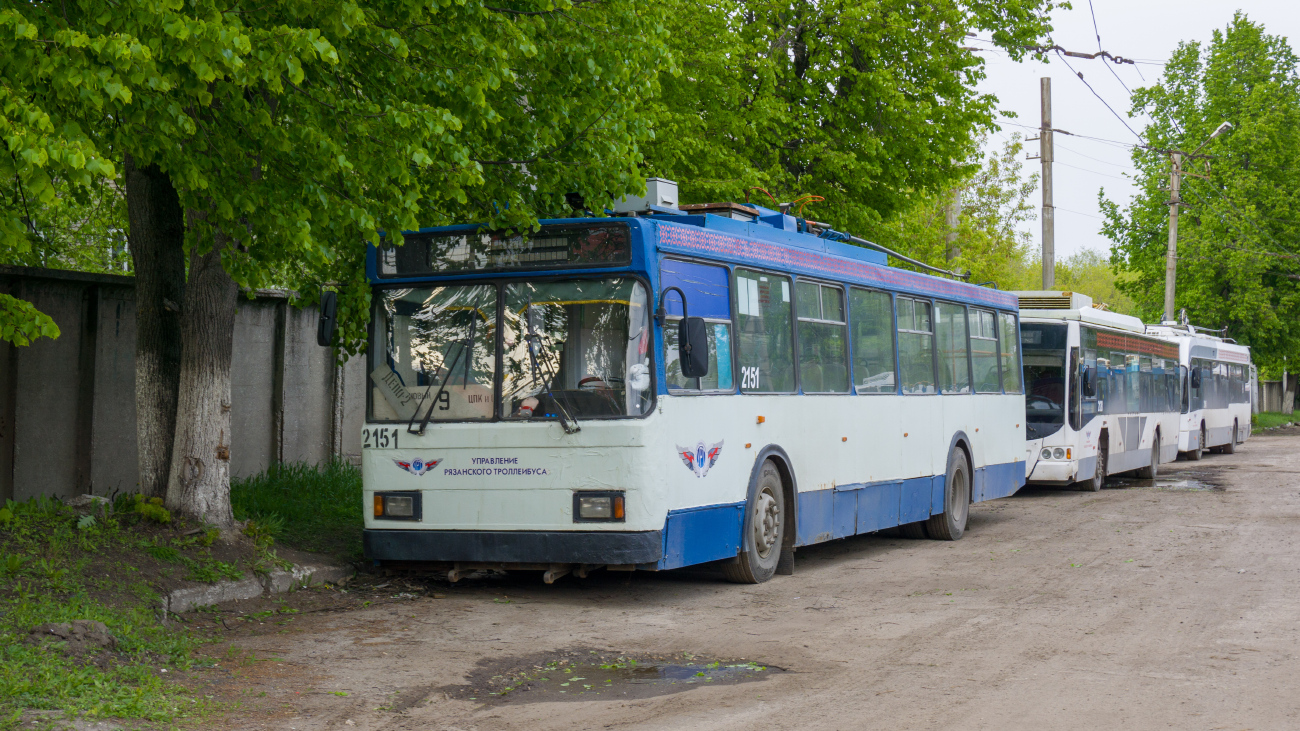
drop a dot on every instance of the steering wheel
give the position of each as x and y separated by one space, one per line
1035 398
593 383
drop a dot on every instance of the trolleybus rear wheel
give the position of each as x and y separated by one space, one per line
1152 470
1199 452
951 523
1098 479
1231 446
763 532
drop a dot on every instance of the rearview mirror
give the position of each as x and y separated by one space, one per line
1196 378
1089 382
327 324
693 347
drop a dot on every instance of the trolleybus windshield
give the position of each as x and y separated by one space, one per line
1044 359
579 344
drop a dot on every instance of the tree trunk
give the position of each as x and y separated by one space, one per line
157 239
200 477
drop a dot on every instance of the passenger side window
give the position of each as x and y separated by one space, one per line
1010 352
873 341
954 354
916 346
823 338
984 351
708 294
719 377
763 332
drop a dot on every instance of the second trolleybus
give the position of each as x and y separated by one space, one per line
1101 396
1217 386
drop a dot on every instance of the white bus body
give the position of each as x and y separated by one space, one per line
1216 376
1101 397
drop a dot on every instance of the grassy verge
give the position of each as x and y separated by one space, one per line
311 508
58 566
1266 419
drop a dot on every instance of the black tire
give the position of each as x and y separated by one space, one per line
1098 479
913 530
1196 454
1231 446
763 532
1151 471
951 523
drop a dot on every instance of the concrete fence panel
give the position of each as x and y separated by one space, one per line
67 406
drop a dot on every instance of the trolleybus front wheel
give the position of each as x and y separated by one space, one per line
1231 446
763 532
1098 479
951 523
1151 471
1199 452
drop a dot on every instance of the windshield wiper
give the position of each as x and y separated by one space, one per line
465 349
567 422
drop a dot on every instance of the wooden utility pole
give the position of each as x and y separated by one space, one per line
1171 256
1049 217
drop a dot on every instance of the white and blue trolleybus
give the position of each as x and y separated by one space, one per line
1216 401
1101 396
669 388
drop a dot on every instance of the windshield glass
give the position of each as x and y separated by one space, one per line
422 352
1044 358
582 345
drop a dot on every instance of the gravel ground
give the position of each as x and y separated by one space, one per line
1173 605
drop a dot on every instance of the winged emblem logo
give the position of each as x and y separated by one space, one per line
700 458
416 466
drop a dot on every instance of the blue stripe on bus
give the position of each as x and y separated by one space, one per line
713 532
699 535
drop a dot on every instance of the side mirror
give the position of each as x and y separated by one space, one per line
692 337
693 347
1196 378
1089 382
327 324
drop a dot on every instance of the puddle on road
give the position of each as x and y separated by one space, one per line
593 675
1173 482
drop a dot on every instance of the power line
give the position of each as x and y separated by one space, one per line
1094 93
1094 172
1095 159
1079 213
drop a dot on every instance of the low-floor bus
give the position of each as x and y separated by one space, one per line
532 404
1101 396
1216 402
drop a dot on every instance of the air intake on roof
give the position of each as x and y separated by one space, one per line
1053 300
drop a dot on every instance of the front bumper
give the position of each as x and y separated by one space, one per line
491 546
1054 471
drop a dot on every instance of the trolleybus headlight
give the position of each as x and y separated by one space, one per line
1058 453
397 505
597 506
1047 454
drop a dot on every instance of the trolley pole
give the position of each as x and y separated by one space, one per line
1049 211
1171 256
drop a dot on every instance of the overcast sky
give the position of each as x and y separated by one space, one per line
1145 30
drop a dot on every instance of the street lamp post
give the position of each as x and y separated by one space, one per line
1175 182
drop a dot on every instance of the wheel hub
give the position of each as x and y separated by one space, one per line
767 523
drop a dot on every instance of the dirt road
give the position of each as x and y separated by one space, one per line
1135 608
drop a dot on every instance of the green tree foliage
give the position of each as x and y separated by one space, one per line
300 130
868 103
1087 272
1239 264
83 228
995 203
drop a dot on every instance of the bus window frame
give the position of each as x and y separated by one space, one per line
662 340
500 282
970 369
934 345
735 332
997 348
893 334
848 346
